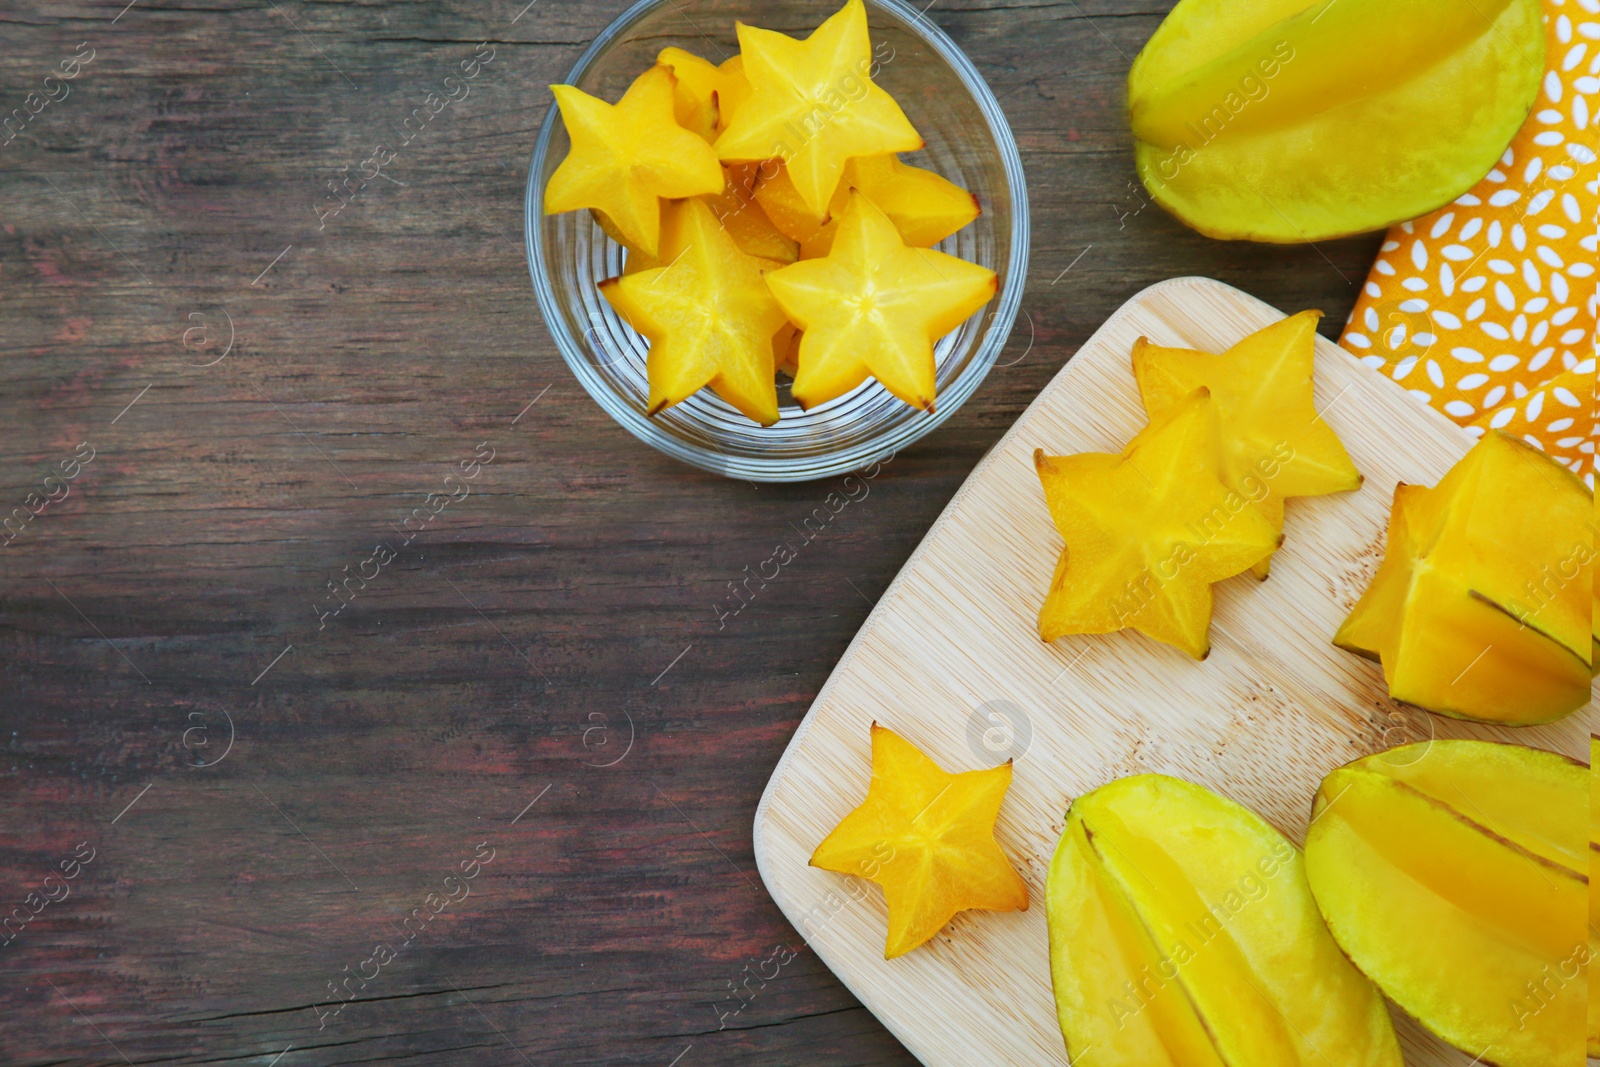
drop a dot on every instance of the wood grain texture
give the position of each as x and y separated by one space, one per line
368 362
1270 711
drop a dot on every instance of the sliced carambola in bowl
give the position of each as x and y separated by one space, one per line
1294 121
627 157
1455 875
874 307
708 314
1182 934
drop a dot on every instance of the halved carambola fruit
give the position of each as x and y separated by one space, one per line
1455 875
1183 934
1288 121
1480 607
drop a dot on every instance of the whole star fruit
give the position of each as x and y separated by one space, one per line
1183 934
874 307
629 156
708 316
1275 443
1148 531
926 836
1481 607
1454 874
813 104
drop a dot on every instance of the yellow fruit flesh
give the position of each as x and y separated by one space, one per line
926 836
1454 612
923 206
1459 655
734 90
737 209
1308 128
1593 868
1274 442
694 97
785 207
1098 949
874 307
813 105
1373 623
708 315
1147 532
1477 938
1531 551
629 157
1182 932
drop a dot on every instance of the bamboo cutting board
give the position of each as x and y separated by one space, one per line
950 658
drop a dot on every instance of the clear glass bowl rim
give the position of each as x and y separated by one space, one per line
857 455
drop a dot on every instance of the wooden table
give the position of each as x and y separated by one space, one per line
280 746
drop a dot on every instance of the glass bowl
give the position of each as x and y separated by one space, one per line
969 142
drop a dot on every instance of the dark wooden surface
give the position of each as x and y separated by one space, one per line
501 656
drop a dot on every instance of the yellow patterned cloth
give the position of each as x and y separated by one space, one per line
1486 308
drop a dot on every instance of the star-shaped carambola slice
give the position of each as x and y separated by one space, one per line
629 156
813 105
708 315
927 838
1274 443
706 93
875 306
925 207
1148 531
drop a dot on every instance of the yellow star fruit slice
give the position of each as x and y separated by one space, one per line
874 306
628 156
813 105
736 208
706 94
1148 531
927 838
708 315
783 204
786 349
733 91
1274 443
925 207
694 97
1183 934
735 211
